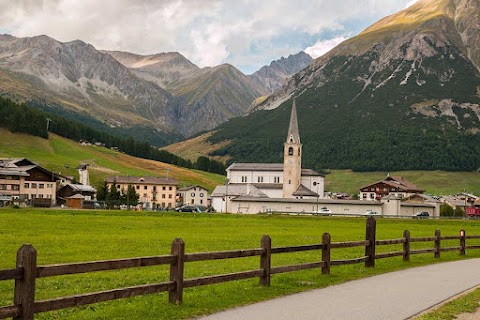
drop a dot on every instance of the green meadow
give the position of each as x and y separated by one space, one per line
66 236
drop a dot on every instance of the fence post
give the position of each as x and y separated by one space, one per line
436 251
326 240
406 245
371 237
266 260
176 271
24 295
462 242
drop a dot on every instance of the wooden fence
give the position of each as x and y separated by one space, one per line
26 271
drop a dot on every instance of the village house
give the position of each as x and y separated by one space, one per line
194 195
391 185
153 192
23 181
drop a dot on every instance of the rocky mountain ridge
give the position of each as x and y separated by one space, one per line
404 94
164 93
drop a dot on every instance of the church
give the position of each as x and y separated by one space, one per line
282 182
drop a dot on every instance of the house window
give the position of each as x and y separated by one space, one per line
154 188
144 187
276 179
201 195
260 179
289 181
27 185
3 187
40 196
163 196
372 195
170 188
170 196
290 151
193 201
138 187
201 201
41 186
364 195
144 195
15 187
244 179
192 194
164 188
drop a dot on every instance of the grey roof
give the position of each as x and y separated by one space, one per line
83 166
186 188
142 180
82 188
238 190
13 172
76 196
293 127
268 185
268 167
304 191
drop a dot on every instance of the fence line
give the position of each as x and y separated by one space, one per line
26 272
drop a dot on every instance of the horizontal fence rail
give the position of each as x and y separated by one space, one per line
26 271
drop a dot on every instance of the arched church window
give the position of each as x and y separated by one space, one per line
299 151
290 151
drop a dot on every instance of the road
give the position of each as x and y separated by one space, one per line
393 296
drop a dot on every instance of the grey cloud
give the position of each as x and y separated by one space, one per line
208 32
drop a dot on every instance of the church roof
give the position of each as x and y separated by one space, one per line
303 191
293 127
269 167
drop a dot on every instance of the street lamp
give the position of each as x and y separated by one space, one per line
227 181
315 183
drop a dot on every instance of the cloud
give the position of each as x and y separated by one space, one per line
410 3
323 46
208 32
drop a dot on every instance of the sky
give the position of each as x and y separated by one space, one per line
245 33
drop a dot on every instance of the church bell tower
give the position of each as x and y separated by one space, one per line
292 157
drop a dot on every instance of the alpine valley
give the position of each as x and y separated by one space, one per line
159 98
402 95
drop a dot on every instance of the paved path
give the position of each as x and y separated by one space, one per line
393 296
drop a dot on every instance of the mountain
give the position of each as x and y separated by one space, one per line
158 98
162 68
403 94
211 97
274 76
207 97
80 78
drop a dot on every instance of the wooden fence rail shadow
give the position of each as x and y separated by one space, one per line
26 272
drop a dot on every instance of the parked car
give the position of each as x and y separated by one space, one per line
421 215
371 213
323 210
187 208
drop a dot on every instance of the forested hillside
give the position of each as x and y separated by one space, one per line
24 119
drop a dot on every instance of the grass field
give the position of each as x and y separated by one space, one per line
62 155
62 236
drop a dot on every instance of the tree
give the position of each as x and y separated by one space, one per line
446 210
130 197
102 191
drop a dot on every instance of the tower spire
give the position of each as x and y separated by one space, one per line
293 135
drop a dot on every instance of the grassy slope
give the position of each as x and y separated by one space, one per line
57 153
434 182
62 236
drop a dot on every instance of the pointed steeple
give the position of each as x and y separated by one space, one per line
293 136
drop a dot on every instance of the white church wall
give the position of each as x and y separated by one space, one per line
315 183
